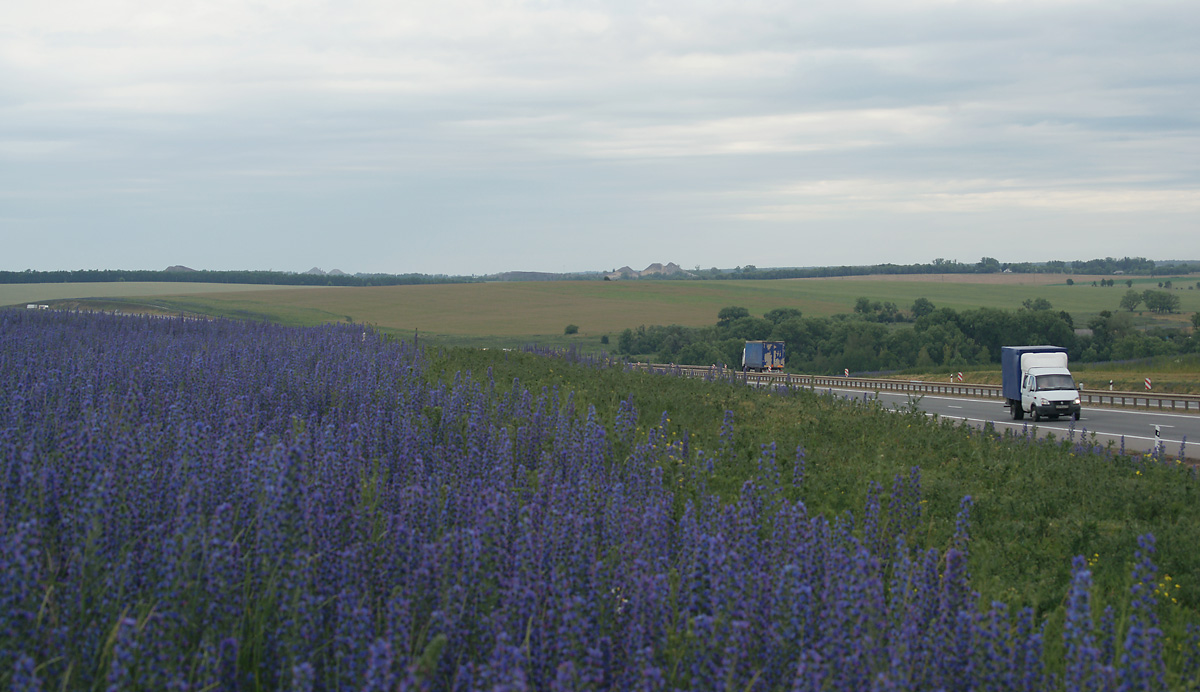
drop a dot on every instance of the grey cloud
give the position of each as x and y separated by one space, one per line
553 124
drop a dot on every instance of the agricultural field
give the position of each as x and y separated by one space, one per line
1008 291
135 294
516 313
244 506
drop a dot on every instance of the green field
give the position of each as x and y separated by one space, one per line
516 313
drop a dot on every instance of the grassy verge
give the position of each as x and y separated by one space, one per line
1036 504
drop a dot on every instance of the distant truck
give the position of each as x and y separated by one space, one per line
762 356
1035 380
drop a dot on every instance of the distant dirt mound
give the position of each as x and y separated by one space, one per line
655 269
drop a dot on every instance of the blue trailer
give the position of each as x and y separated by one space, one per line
762 356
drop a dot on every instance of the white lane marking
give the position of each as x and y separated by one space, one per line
1061 427
1150 413
1077 430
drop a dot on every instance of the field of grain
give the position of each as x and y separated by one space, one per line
516 312
531 309
513 310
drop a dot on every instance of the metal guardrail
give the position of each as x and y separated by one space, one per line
1093 397
1174 402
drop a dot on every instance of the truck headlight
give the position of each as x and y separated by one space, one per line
1076 401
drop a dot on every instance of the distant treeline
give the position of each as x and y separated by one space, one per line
225 277
986 265
879 336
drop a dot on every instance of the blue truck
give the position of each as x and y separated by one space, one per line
1035 380
762 356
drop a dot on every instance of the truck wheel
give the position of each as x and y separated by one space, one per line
1014 410
1033 413
1075 416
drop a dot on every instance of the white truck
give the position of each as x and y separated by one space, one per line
1035 380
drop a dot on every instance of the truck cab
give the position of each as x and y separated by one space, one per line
1050 392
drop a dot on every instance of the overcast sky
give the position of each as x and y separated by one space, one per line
477 136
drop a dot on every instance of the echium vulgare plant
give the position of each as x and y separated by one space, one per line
195 505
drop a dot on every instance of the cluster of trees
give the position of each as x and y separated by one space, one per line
1128 265
30 276
1155 301
931 338
877 311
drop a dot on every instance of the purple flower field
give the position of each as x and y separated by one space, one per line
191 505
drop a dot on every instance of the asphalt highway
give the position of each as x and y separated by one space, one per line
1141 430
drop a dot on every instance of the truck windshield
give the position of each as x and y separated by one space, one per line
1045 382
